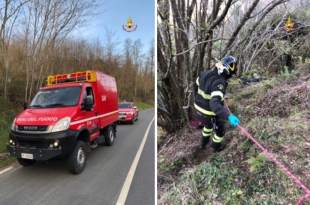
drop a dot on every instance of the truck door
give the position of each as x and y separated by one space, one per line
92 115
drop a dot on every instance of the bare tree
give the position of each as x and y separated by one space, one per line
149 74
137 63
46 25
266 46
9 12
111 43
186 36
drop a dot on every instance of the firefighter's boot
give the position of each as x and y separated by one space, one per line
218 146
203 142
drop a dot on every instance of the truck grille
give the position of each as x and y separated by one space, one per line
121 115
37 144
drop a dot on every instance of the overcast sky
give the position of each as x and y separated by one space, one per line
115 15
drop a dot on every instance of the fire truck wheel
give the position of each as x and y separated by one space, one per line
25 162
109 135
77 158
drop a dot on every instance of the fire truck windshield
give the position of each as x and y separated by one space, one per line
56 97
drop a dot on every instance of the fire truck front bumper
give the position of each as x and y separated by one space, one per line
33 153
41 146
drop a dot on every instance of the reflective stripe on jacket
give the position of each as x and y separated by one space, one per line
210 88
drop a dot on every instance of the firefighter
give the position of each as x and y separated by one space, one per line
210 88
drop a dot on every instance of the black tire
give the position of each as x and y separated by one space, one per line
109 135
26 162
77 158
133 120
137 116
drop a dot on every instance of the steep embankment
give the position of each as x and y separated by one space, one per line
276 113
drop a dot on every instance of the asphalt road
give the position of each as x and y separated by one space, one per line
101 181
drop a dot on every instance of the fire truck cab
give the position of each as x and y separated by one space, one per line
73 113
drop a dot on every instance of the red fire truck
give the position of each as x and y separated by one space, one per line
70 115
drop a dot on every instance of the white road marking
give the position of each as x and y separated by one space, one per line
5 170
123 195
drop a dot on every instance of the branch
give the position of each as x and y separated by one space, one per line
275 3
164 145
197 45
218 20
170 45
241 24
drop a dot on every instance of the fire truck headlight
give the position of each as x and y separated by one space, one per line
62 124
55 144
12 142
14 127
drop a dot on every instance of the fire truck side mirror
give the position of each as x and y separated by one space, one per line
25 105
88 103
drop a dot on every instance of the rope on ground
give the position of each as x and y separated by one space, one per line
302 199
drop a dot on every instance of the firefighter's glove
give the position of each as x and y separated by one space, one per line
233 120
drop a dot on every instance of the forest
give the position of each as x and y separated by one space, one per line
37 39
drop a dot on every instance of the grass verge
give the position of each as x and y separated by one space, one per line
7 162
143 106
7 115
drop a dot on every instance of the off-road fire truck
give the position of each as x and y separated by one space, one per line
70 115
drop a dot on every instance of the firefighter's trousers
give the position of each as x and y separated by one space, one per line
212 123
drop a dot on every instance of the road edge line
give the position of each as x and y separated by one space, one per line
123 195
5 170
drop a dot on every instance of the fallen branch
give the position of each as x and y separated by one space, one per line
165 145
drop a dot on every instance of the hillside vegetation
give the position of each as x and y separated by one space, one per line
276 113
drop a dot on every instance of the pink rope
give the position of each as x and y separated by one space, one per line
302 199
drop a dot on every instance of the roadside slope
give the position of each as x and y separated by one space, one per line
276 113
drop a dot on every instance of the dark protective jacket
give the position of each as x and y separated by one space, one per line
211 88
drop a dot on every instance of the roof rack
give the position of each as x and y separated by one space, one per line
84 76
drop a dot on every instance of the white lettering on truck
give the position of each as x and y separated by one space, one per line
47 119
107 84
29 119
23 119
